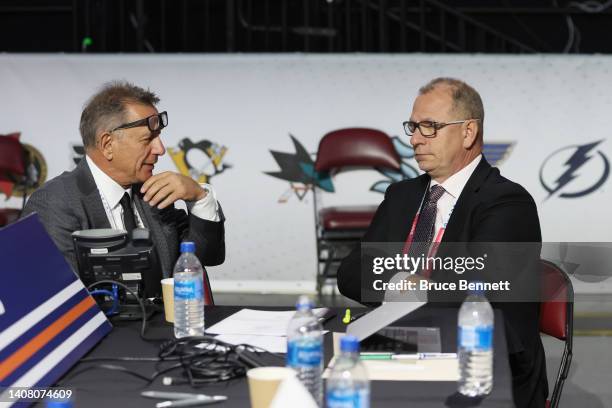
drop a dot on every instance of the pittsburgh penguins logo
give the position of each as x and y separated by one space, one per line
200 160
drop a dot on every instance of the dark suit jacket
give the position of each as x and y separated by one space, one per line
489 209
71 202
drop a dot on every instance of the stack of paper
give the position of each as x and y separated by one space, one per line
259 328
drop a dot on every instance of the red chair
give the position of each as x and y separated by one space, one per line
557 319
13 170
339 228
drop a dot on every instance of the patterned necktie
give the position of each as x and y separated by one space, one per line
129 222
423 234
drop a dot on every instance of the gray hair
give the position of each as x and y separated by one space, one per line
466 100
106 109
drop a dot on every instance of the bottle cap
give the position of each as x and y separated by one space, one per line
303 303
187 246
349 344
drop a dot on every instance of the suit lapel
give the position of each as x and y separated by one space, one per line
411 205
465 203
90 197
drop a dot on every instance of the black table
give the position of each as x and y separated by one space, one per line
103 388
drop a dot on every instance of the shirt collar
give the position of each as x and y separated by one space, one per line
109 188
454 184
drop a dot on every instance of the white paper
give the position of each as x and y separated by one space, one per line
256 322
273 344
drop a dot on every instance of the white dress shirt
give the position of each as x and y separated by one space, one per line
111 193
453 186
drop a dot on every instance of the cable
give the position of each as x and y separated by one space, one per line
204 360
140 302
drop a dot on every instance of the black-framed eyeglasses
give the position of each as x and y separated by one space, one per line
428 128
155 123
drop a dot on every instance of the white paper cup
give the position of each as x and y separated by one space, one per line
264 382
168 296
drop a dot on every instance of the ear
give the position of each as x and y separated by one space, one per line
105 144
470 133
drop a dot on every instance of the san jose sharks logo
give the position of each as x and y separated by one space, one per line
298 169
201 160
35 174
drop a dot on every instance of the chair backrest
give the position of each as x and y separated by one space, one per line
557 292
11 157
356 147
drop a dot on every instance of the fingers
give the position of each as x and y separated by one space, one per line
155 188
163 194
165 188
153 180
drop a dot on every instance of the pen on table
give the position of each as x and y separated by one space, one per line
169 395
192 402
182 399
416 356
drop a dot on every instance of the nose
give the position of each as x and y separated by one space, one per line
158 147
417 138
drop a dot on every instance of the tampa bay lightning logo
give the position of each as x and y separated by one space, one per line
574 171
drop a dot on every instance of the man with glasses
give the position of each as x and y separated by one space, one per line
114 186
460 198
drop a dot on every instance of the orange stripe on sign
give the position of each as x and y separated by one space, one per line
24 353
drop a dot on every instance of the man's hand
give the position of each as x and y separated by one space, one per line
163 189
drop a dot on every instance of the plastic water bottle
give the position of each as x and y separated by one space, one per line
188 293
348 385
305 348
475 345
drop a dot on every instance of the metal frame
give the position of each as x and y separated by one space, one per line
566 359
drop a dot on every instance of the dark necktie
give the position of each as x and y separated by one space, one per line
129 222
424 231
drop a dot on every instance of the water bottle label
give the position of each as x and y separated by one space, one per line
302 354
188 289
476 337
347 398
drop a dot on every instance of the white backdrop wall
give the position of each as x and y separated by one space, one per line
251 104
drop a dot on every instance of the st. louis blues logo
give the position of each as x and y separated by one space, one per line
201 160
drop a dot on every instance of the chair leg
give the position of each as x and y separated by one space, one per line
331 252
320 272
